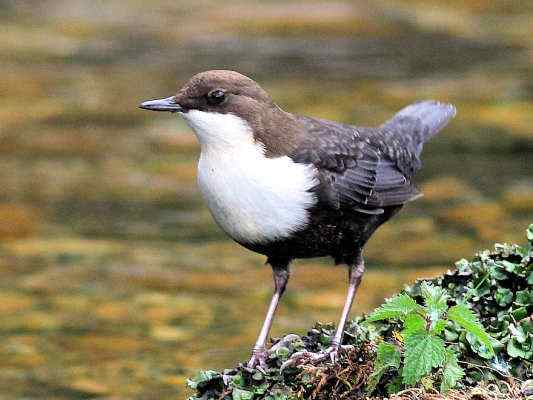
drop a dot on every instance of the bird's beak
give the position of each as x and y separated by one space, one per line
168 104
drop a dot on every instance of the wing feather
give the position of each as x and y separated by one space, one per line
354 172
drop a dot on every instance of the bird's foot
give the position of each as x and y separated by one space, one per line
287 341
259 357
308 357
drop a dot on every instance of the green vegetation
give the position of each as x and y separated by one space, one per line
467 328
422 338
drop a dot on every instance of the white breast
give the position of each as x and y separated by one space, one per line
252 198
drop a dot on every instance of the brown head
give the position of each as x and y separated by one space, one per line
229 92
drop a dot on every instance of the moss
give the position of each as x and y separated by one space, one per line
497 285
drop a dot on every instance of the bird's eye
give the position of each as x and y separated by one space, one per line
216 97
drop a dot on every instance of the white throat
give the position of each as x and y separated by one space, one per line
253 198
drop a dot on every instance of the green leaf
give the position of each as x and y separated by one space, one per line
435 300
450 334
518 333
462 264
463 316
278 396
241 394
427 382
201 378
394 386
524 297
509 266
517 350
439 327
238 380
258 376
451 372
388 356
527 326
413 323
498 272
478 347
394 307
423 352
283 352
503 297
261 389
530 233
519 313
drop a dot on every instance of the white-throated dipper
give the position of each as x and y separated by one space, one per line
289 186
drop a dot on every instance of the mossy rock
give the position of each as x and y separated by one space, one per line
497 285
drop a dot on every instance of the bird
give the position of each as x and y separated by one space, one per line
290 186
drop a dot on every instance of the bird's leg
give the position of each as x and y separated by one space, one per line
355 275
281 277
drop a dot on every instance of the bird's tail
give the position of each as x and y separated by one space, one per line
418 122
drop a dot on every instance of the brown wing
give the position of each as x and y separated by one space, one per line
354 171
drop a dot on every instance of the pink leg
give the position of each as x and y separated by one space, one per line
259 353
355 276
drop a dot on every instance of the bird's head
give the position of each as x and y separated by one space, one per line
222 105
217 91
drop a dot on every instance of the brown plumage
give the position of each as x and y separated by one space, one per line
363 175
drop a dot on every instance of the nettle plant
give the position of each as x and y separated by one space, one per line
420 352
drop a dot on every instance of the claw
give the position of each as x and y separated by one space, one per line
334 351
260 356
307 357
301 357
284 342
258 360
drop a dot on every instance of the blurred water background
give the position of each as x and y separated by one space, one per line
115 282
